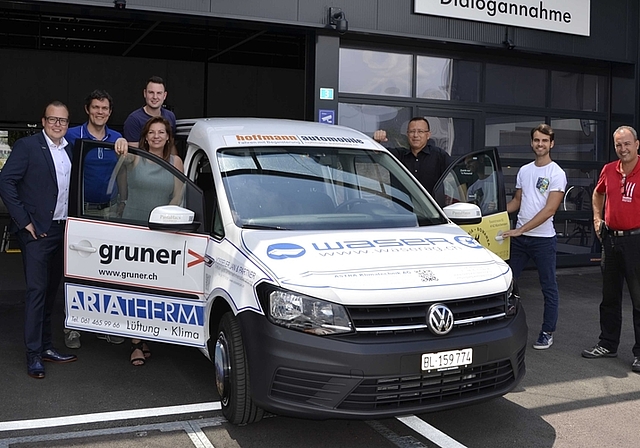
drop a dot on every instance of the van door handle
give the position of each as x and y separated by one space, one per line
88 249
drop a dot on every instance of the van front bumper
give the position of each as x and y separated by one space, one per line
302 375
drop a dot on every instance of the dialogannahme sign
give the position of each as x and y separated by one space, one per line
562 16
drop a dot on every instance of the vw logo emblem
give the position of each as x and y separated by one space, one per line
439 319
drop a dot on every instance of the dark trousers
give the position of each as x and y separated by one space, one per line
43 267
621 262
543 253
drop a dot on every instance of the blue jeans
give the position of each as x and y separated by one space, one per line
543 253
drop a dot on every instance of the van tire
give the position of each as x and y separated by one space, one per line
232 374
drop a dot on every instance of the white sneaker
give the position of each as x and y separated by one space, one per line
72 339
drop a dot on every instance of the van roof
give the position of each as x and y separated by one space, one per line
238 132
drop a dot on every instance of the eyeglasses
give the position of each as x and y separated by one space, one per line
54 120
418 132
623 184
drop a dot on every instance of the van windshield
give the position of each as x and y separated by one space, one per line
293 188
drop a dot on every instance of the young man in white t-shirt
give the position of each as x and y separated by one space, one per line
540 187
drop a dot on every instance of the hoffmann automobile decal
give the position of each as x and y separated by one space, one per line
284 139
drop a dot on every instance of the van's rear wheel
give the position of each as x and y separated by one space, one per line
232 375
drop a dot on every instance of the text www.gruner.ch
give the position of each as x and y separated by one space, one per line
125 275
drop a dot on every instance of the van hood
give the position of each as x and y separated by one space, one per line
379 260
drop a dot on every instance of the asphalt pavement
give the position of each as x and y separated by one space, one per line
563 401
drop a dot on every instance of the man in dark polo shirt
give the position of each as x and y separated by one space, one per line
426 162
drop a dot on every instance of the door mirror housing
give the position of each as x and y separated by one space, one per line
172 218
463 213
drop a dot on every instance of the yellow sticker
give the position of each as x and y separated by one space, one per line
485 233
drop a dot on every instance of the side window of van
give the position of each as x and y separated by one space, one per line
473 179
127 189
203 177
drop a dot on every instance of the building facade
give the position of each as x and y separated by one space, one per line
484 72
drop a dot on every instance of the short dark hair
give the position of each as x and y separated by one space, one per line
421 119
98 95
544 129
155 80
54 103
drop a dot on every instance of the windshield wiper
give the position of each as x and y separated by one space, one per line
261 227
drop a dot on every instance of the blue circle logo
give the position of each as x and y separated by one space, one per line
468 241
285 250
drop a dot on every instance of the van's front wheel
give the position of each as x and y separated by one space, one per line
232 375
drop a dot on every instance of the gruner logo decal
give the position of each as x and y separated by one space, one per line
282 251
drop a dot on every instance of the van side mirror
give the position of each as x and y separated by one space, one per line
463 213
172 218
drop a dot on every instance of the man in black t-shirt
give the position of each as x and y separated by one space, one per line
426 162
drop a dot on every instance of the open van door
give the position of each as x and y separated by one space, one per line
477 178
135 250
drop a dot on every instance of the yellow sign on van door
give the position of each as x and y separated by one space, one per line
486 232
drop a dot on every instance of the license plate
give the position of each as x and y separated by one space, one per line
445 360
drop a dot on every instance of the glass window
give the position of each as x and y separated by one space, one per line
473 179
517 86
368 118
448 79
466 81
577 91
5 149
578 139
511 134
375 72
621 101
434 78
323 188
127 189
454 135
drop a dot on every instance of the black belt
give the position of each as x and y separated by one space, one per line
59 221
101 206
623 232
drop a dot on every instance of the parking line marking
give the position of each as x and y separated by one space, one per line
397 440
142 429
431 433
197 436
18 425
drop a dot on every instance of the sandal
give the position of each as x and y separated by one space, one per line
145 350
137 361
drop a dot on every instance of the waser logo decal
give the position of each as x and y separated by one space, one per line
284 250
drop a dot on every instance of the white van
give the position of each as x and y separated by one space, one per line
308 264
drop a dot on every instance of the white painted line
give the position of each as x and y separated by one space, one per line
18 425
431 433
163 427
397 440
197 436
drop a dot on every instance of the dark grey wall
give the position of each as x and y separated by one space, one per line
614 23
29 79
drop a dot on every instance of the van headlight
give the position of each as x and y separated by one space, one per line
308 314
513 299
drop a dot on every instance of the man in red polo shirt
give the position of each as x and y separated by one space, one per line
619 232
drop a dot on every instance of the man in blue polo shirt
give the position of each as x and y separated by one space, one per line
100 199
